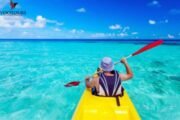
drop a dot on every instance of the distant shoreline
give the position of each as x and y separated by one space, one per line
135 41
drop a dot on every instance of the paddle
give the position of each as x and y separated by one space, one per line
145 48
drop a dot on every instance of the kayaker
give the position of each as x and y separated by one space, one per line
108 81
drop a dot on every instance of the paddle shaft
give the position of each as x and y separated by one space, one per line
125 58
145 48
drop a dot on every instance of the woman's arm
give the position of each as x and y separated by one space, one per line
89 84
129 73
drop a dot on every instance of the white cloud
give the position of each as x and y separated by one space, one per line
153 35
55 22
81 31
111 34
115 27
40 22
98 35
170 36
122 34
81 10
73 31
15 22
125 29
103 35
134 33
76 31
22 22
164 21
152 22
174 12
57 29
24 33
154 3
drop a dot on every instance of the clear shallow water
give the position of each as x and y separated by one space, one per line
32 76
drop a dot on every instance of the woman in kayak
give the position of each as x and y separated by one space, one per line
108 81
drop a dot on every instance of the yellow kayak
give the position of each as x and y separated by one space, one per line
92 107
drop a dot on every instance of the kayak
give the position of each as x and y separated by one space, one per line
93 107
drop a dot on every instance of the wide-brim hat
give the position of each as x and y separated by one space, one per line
107 64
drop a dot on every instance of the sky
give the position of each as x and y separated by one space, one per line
92 19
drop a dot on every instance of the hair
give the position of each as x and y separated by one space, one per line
112 72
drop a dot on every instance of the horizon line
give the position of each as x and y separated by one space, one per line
115 39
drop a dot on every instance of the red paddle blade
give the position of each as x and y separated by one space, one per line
149 46
74 83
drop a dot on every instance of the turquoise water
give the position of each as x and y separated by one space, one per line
32 76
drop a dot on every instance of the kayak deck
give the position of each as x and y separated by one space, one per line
92 107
